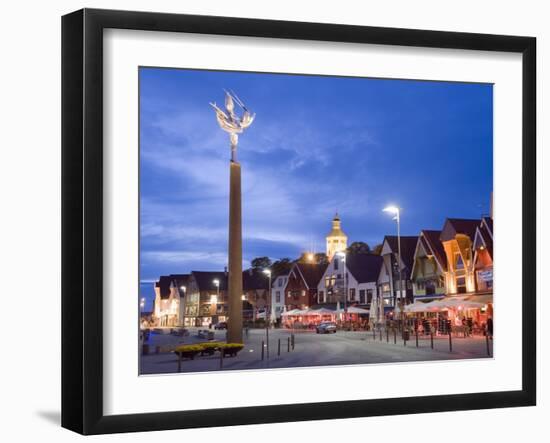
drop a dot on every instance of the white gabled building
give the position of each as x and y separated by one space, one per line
169 302
278 296
393 271
361 273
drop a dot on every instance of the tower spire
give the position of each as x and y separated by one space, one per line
337 240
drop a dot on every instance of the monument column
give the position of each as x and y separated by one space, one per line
235 278
231 123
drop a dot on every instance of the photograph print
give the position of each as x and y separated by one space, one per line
294 220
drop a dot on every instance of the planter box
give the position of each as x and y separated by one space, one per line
209 351
231 352
187 354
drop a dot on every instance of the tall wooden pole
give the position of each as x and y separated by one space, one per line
231 123
235 278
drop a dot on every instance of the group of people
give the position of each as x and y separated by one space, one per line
460 324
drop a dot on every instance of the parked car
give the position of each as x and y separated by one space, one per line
221 325
326 327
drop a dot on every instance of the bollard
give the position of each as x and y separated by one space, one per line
380 330
450 342
263 349
387 335
432 339
487 344
267 341
293 341
394 336
221 358
179 361
417 338
279 348
373 333
288 345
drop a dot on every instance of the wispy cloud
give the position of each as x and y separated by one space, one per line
184 257
318 145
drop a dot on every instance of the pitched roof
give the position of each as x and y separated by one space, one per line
433 244
254 279
311 273
486 236
163 283
408 246
489 222
364 267
205 280
465 226
180 280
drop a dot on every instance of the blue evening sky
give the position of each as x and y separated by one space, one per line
318 145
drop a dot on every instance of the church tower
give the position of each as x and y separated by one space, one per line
336 239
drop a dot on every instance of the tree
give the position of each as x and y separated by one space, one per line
281 267
377 249
307 257
358 247
321 258
261 263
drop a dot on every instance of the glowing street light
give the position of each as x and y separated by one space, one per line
268 273
392 210
397 217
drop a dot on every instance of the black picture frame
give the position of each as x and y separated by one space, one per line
82 215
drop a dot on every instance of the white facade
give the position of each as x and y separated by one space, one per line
168 311
331 287
385 284
278 295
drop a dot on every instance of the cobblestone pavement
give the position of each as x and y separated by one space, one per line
342 348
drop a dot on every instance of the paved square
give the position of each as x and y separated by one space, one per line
311 349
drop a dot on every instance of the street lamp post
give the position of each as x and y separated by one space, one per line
342 255
268 273
397 213
141 306
182 304
217 284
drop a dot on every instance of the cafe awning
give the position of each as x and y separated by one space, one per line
354 310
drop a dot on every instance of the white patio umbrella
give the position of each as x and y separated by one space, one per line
354 310
308 312
464 304
323 311
291 312
338 310
374 317
417 307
